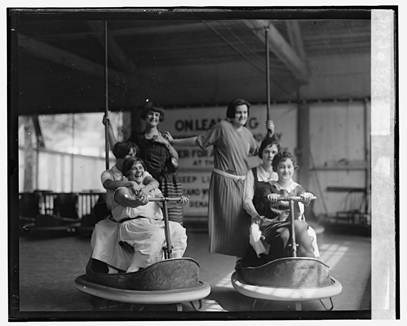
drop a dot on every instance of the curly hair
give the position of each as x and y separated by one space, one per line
283 156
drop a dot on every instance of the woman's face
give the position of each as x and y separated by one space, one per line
132 152
269 152
285 170
152 118
241 115
136 172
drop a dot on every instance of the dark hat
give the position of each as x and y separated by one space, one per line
150 106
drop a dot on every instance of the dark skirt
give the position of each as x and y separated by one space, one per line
170 187
277 234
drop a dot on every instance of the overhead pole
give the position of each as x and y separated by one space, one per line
106 101
266 31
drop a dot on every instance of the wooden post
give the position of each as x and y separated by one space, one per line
367 118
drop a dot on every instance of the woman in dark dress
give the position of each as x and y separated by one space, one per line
264 184
160 158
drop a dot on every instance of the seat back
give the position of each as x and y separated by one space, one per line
66 205
28 204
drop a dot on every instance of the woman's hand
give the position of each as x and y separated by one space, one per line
167 135
162 140
106 119
273 197
270 126
307 197
135 187
142 198
257 219
183 200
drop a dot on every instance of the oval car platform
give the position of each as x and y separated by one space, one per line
143 297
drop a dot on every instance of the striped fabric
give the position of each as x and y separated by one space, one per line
170 187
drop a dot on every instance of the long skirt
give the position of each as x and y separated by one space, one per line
105 245
147 237
227 221
170 187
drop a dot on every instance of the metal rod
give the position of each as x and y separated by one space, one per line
267 72
168 249
293 241
165 199
72 153
106 101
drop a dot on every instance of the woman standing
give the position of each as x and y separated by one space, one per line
160 158
232 144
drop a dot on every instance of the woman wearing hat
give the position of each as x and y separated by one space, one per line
232 144
160 158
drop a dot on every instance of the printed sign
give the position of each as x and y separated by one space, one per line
195 164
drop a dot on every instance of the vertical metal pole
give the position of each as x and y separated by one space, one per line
168 249
72 153
267 72
106 101
293 241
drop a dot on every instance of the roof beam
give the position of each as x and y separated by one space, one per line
294 35
115 52
280 47
66 58
130 31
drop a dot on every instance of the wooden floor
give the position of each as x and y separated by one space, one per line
48 267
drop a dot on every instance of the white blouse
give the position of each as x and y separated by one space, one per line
248 192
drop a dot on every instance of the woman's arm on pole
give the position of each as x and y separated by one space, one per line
125 197
110 134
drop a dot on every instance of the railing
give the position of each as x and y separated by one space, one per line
70 205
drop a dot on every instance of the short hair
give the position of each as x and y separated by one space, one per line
231 110
122 148
282 156
267 141
129 162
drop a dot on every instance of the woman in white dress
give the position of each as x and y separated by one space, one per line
141 221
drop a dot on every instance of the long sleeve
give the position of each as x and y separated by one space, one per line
248 194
